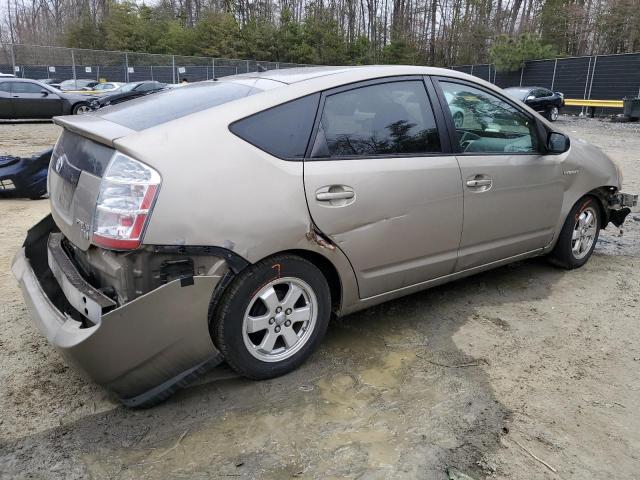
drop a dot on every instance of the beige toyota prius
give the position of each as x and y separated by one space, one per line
230 219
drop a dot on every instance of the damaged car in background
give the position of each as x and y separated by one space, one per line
24 177
230 219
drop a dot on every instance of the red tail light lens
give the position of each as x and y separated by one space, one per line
127 193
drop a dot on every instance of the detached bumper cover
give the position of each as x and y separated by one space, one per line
24 177
136 350
620 206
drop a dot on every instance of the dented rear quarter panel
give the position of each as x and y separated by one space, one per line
219 190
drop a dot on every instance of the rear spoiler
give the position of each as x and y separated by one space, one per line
94 127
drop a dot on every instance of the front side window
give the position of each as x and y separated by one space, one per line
5 87
385 119
24 87
487 124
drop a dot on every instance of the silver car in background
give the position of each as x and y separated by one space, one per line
231 219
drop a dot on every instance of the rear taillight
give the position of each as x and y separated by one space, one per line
127 193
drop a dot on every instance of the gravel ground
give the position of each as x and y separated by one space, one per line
492 376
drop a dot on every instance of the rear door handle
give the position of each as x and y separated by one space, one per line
335 195
482 182
328 196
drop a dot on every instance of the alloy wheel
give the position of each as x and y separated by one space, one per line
279 319
584 233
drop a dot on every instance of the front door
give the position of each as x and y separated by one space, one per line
30 101
381 186
512 193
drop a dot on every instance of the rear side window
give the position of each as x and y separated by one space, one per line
5 87
384 119
167 105
282 131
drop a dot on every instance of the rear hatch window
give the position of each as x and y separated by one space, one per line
77 165
164 106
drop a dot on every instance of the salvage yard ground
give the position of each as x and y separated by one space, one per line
495 375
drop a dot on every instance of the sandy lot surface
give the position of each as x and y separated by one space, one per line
24 139
482 375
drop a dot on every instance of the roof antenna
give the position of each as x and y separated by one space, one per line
262 68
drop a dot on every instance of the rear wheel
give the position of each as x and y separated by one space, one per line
579 234
553 114
272 316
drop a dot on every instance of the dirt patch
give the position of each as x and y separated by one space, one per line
25 139
480 374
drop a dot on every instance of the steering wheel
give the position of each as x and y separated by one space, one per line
467 139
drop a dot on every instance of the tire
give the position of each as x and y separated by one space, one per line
565 254
552 114
267 338
458 119
80 109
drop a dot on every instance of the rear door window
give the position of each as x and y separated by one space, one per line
384 119
282 131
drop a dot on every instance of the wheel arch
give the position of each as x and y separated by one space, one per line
602 194
327 268
76 104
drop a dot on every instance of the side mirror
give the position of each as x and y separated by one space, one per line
530 97
44 92
558 143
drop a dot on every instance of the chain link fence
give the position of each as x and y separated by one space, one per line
60 63
598 77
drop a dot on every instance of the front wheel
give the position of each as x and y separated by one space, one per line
81 108
579 235
272 316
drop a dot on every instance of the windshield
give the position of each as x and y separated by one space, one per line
518 93
76 83
166 105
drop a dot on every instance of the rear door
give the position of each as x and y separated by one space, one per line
513 192
29 101
6 109
381 183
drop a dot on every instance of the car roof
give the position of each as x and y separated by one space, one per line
525 88
300 74
19 79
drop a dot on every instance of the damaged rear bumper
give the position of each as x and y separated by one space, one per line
147 346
